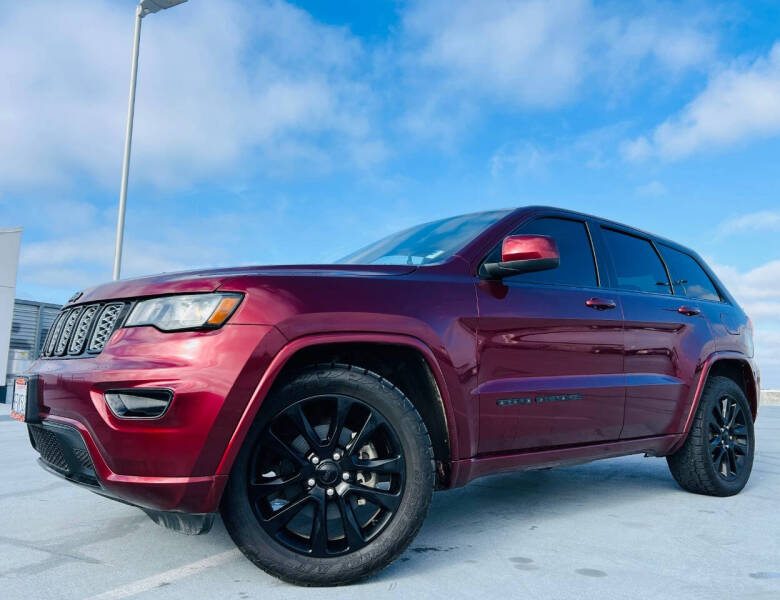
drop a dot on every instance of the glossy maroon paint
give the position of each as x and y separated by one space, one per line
624 369
663 349
541 341
528 247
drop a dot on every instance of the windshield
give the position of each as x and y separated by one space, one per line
425 244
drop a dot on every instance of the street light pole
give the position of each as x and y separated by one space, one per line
144 8
120 223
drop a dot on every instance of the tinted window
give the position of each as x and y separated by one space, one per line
576 267
637 265
688 278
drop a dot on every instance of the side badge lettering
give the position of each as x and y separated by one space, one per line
538 399
514 401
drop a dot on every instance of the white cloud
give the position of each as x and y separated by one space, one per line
738 104
653 189
757 289
768 348
438 116
73 247
540 54
86 258
519 158
525 156
674 42
231 86
525 52
220 85
765 220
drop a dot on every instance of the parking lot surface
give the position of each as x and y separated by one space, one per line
618 528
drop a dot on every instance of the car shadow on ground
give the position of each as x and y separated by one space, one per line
460 522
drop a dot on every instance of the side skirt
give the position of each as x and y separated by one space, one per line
464 471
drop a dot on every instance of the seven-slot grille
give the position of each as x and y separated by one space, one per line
83 329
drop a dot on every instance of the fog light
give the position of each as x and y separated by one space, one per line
138 403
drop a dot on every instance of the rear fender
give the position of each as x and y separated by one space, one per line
751 381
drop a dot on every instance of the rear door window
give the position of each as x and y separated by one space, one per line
637 265
688 278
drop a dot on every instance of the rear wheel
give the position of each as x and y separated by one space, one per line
334 479
717 457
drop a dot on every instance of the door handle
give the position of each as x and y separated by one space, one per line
688 311
600 303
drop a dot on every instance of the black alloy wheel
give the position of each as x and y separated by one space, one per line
729 442
717 456
326 475
333 480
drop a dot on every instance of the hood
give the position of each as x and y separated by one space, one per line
211 279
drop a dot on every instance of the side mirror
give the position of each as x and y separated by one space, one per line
523 254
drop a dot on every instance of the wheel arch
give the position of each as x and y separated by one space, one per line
741 373
408 363
729 364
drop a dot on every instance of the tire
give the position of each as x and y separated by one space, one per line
717 457
358 420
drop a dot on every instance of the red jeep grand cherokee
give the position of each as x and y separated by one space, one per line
318 407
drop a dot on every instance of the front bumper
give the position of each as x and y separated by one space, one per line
165 464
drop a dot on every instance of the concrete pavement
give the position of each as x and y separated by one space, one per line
619 528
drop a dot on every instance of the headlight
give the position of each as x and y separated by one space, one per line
192 311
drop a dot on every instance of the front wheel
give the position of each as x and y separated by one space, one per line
333 480
717 457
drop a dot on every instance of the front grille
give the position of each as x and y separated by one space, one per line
105 326
63 449
54 334
80 336
83 330
67 331
46 443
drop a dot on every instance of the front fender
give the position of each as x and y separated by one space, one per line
460 432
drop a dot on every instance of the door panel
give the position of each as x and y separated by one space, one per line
551 367
665 334
663 350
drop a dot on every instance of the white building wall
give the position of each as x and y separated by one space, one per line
10 241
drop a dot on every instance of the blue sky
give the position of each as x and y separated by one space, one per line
273 132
